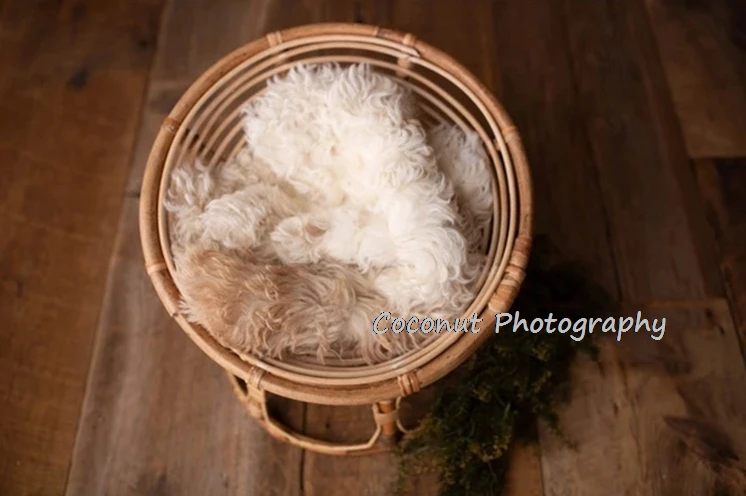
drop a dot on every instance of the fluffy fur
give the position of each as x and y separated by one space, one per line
342 206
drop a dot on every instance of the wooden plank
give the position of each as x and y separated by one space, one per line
538 91
639 166
703 48
465 34
71 83
626 440
159 416
672 423
664 119
323 474
723 186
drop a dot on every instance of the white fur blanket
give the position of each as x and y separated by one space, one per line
340 207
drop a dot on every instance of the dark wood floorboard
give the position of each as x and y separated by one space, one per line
723 186
627 443
72 78
703 48
538 90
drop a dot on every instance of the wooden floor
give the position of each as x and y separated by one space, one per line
634 117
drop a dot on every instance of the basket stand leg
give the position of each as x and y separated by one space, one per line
386 415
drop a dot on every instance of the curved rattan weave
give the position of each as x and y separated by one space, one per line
205 123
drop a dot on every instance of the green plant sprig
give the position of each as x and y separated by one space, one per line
495 399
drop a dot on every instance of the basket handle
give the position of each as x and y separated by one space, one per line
385 415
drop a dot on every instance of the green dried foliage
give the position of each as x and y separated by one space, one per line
495 399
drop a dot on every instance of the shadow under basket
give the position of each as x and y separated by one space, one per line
206 124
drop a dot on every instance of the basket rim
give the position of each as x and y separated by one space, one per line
273 62
408 382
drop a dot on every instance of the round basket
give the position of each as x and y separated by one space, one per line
206 123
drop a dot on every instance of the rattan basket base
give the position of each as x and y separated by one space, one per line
387 428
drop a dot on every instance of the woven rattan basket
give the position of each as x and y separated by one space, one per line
205 123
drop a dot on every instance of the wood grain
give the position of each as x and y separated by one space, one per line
637 165
626 444
465 34
723 186
670 424
703 47
539 92
72 77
